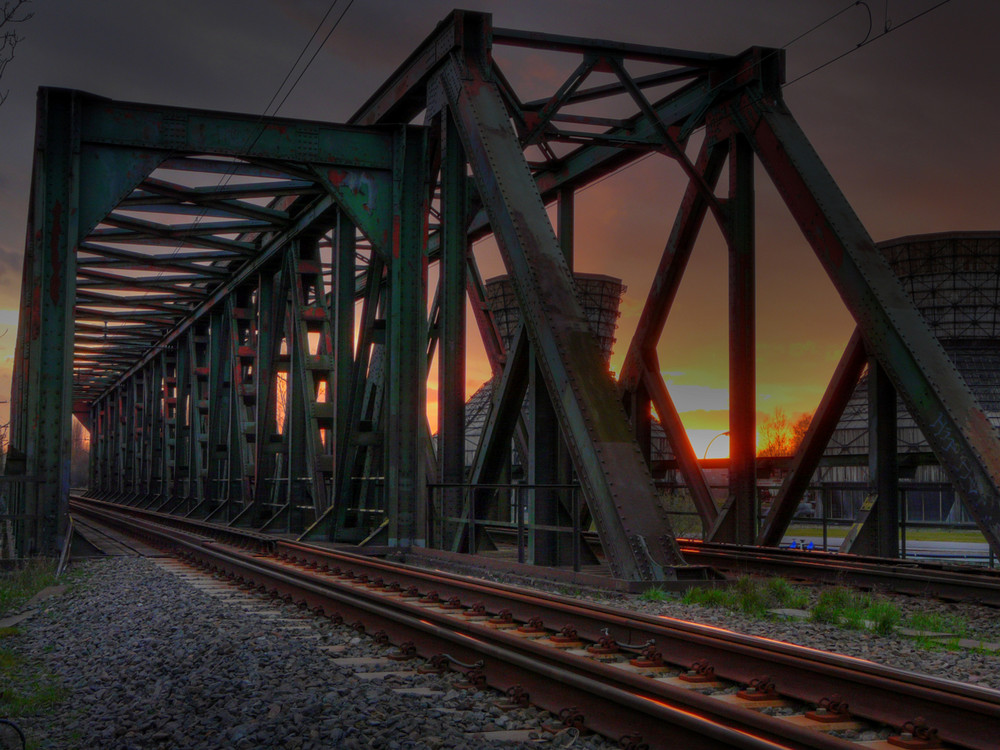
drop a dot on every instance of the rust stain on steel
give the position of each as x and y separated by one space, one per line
56 260
36 312
357 183
395 235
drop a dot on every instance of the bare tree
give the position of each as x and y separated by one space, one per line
799 428
774 435
781 436
12 13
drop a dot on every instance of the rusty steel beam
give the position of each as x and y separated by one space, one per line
638 538
452 290
641 361
965 443
742 503
605 47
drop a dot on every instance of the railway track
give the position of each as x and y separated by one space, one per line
654 682
949 582
945 581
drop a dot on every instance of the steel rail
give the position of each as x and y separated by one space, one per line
962 714
950 583
663 714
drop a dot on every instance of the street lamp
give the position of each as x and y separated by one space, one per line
712 441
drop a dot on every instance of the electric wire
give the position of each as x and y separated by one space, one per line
231 171
321 45
865 42
298 59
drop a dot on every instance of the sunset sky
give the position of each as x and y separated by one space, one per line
907 126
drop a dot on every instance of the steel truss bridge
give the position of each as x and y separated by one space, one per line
236 307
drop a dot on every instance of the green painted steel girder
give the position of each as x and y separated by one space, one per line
619 489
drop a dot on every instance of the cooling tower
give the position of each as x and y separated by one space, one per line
954 280
600 296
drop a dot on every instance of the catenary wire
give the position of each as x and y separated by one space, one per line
787 44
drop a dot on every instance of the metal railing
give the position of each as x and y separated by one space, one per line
513 507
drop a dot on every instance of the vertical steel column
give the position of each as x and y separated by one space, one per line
118 427
299 440
451 359
163 445
742 344
638 405
313 367
257 489
640 379
220 399
172 428
198 351
548 458
544 546
242 326
41 425
883 462
821 427
141 467
405 486
346 294
92 466
130 412
352 450
97 465
181 491
154 482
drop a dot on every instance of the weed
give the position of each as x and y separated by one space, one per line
831 605
784 594
707 597
935 622
750 596
884 616
653 594
856 610
18 586
27 688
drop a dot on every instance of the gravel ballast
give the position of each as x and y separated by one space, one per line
150 661
979 667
